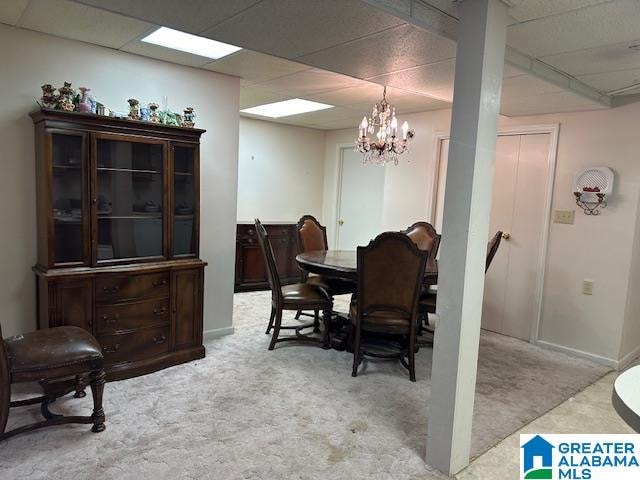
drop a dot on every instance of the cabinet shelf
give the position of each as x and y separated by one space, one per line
126 170
67 167
130 217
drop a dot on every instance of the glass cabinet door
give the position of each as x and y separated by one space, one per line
128 197
185 200
70 225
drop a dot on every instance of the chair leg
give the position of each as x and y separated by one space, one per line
276 329
316 321
273 315
80 386
412 358
96 381
326 320
356 351
298 313
5 402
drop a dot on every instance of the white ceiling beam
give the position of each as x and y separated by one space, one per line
433 20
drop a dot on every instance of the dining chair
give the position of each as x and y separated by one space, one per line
428 299
313 236
390 273
59 359
425 237
298 297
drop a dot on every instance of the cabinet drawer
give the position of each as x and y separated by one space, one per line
133 346
120 287
132 315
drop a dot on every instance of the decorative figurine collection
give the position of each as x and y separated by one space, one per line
69 100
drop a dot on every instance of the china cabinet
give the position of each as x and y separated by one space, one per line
118 227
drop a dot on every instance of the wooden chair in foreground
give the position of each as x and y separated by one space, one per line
390 273
57 358
298 297
428 300
311 235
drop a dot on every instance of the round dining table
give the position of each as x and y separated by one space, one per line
626 397
344 264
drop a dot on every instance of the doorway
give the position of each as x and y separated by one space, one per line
360 201
520 209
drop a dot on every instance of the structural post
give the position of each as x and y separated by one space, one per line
476 102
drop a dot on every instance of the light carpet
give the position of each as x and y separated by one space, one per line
296 413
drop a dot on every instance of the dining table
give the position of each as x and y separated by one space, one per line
344 264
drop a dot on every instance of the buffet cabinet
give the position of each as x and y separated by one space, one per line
250 266
118 228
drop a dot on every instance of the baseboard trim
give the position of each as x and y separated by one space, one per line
628 358
609 362
217 332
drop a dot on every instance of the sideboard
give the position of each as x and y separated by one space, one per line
250 270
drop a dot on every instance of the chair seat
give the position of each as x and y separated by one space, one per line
304 294
52 352
381 321
334 286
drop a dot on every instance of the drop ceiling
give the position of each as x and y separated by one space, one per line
570 54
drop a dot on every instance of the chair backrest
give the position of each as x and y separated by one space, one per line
5 384
269 262
311 235
492 249
390 274
425 237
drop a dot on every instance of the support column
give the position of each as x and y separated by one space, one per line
476 103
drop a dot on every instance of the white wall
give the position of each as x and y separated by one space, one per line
605 325
281 171
28 60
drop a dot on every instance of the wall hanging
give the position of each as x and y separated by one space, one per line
591 187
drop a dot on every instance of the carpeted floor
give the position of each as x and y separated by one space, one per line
295 413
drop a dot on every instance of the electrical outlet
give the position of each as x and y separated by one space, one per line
564 216
587 287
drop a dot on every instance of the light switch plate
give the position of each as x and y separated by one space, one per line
564 216
587 286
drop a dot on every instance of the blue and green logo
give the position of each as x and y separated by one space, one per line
537 460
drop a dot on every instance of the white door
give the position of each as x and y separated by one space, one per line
519 182
360 201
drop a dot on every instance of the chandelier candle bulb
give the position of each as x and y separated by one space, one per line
405 130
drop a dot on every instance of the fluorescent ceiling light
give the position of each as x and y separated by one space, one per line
205 47
286 108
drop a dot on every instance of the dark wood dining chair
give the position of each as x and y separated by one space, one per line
58 358
428 299
313 236
390 273
425 237
297 297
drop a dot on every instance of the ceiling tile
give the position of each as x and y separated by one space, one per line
166 54
423 79
602 24
295 28
532 9
10 10
309 82
255 67
78 22
607 58
394 49
526 86
548 103
609 81
367 93
418 103
252 97
192 16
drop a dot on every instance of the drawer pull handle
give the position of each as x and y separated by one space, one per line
159 340
113 319
113 349
159 311
113 289
161 283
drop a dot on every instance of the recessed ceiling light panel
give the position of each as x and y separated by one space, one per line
185 42
286 108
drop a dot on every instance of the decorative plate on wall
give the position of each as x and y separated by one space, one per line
594 180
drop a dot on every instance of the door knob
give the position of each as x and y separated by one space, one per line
506 235
340 222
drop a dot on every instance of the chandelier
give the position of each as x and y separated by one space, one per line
388 145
